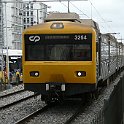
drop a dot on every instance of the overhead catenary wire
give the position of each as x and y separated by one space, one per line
75 7
109 27
63 4
92 6
79 10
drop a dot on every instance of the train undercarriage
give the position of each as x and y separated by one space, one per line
54 91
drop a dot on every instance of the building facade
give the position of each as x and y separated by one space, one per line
34 13
1 25
12 23
17 24
16 15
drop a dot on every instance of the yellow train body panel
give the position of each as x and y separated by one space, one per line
60 72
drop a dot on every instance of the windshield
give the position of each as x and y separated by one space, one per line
59 51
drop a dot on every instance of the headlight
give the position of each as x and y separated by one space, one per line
57 25
80 73
34 73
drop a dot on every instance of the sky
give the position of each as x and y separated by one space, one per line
107 13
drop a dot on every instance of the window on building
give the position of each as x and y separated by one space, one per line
31 6
24 20
31 13
24 26
32 20
31 23
24 6
27 6
28 13
24 14
27 20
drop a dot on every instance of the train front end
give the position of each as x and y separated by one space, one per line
61 61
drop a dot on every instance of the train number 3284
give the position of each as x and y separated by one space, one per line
80 37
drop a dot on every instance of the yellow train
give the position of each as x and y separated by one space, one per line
67 56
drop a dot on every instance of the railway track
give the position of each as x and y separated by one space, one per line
69 113
72 113
18 100
12 93
76 114
44 111
33 114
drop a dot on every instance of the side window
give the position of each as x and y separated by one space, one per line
104 50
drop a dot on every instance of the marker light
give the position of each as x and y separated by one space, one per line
57 25
34 73
80 73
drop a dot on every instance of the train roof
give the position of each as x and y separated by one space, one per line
110 36
62 17
90 22
74 17
12 52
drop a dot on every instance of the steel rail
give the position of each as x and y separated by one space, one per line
34 114
9 94
18 101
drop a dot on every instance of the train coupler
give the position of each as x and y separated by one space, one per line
55 92
57 87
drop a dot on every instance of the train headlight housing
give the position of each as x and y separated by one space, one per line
80 73
57 25
34 73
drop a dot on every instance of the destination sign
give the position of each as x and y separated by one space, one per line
57 38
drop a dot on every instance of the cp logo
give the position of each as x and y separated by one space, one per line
34 38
